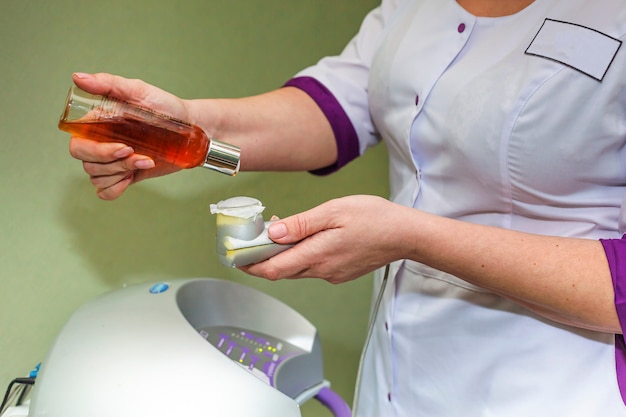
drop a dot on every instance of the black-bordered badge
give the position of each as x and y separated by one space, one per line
581 48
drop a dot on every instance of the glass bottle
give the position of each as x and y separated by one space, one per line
165 139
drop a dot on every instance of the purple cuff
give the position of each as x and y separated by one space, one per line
345 134
615 250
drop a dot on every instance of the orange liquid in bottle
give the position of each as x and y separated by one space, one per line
167 141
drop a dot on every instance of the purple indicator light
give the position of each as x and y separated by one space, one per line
231 346
223 338
253 360
244 353
269 368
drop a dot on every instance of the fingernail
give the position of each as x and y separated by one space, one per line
82 75
144 164
123 152
277 231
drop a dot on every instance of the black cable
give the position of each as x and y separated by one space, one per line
22 381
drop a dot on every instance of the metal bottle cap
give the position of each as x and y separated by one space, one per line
222 157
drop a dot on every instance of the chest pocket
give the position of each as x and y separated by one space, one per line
584 49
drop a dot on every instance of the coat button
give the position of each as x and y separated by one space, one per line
461 28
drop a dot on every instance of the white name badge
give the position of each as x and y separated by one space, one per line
582 48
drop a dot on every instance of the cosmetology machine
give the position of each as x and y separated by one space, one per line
187 347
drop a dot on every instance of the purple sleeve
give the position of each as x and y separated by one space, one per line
345 134
615 250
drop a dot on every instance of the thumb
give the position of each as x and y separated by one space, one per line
294 228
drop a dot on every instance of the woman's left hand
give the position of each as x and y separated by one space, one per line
337 241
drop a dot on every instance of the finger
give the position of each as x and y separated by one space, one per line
134 91
92 151
286 265
107 181
116 190
112 85
119 166
297 227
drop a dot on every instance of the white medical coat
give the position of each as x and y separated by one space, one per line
516 122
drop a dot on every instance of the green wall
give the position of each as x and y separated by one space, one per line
61 246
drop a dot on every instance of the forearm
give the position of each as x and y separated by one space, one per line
564 279
283 130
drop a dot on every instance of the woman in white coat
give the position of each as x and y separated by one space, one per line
505 126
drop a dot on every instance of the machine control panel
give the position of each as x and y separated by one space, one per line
259 353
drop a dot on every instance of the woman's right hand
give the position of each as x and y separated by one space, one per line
113 167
